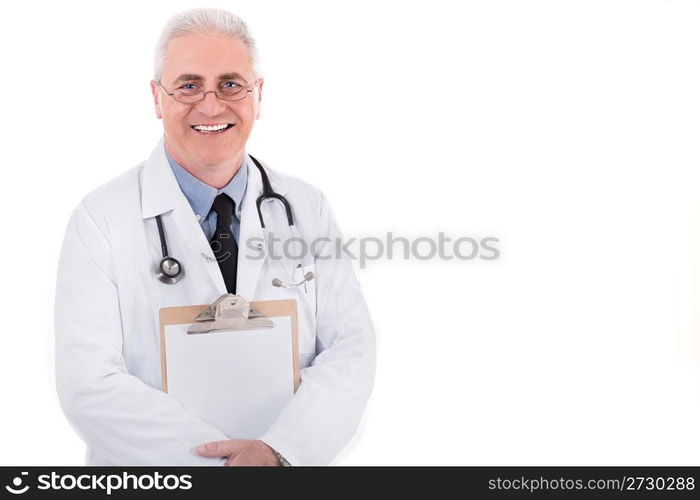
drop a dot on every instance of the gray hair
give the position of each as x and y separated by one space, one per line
204 22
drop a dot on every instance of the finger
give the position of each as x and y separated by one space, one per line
217 448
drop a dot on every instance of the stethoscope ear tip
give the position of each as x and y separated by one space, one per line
279 284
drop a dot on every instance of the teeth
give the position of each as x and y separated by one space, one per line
210 128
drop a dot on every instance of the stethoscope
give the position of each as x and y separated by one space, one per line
170 270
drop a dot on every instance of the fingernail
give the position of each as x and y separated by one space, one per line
200 449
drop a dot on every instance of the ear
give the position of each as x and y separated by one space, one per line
156 98
259 97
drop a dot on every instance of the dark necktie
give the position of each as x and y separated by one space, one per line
223 243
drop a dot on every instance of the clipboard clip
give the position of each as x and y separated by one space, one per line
229 312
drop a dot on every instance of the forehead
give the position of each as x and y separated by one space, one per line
207 55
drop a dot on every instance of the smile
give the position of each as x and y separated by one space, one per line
212 129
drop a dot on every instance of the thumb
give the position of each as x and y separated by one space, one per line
217 448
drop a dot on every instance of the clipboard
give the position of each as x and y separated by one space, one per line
179 315
233 376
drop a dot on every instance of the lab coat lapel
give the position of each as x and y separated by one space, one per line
250 240
162 194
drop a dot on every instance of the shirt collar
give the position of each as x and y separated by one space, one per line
201 196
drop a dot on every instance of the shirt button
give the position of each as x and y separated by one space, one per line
199 217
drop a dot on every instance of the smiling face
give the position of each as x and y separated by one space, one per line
208 137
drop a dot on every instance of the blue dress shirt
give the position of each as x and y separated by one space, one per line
201 196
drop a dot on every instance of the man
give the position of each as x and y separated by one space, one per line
201 186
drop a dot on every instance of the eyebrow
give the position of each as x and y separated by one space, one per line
198 78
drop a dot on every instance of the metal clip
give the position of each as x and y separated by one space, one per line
229 312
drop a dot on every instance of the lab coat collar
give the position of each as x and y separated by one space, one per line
159 188
161 192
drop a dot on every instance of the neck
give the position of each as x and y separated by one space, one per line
215 175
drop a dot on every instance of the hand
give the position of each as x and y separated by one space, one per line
238 452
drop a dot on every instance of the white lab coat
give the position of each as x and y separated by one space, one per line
107 338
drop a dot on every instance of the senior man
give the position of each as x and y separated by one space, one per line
198 192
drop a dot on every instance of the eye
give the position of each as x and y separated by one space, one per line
230 85
189 87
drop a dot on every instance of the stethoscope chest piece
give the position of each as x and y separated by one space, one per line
169 270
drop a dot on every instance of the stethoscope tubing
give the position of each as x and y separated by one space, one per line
167 263
269 194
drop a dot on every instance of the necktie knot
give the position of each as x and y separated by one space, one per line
223 206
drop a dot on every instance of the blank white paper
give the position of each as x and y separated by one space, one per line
238 381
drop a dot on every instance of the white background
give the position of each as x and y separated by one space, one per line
567 129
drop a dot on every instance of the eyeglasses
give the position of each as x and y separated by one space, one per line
192 93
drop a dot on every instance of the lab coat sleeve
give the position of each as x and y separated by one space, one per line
117 415
325 411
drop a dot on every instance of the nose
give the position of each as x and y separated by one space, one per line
210 105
